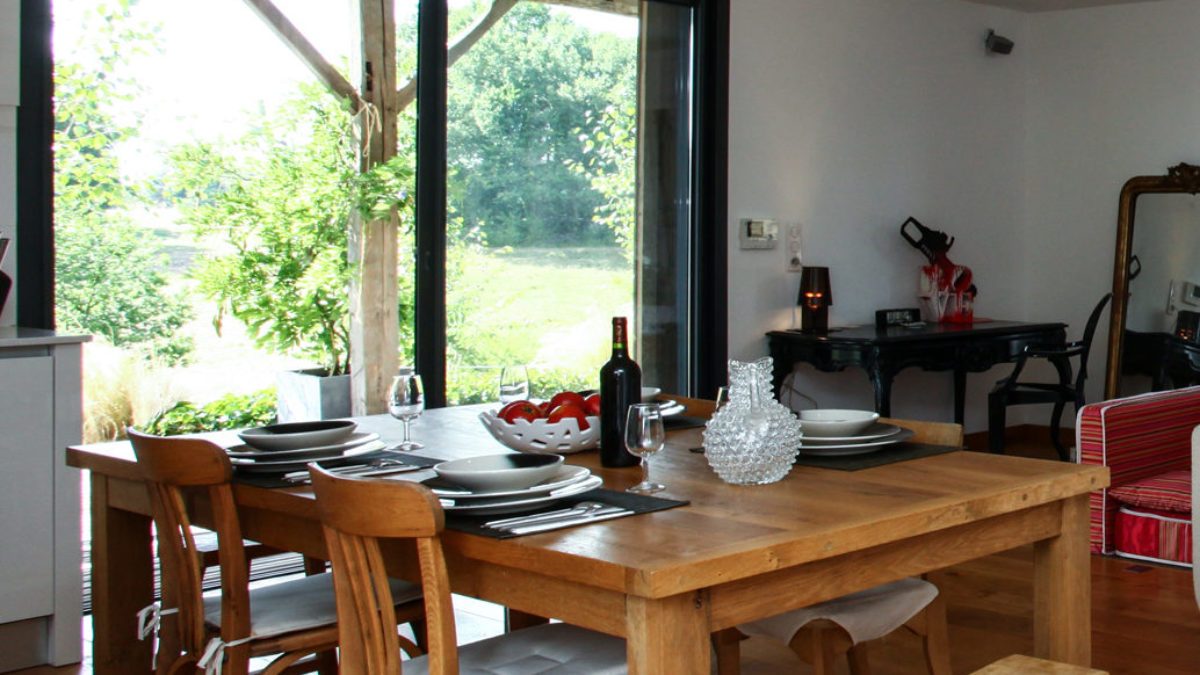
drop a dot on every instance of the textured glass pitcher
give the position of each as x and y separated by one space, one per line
753 439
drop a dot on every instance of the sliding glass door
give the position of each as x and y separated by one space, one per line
569 170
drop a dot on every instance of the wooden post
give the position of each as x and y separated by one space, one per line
374 316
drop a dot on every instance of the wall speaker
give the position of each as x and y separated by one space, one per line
997 44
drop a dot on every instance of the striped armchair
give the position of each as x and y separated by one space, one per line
1146 443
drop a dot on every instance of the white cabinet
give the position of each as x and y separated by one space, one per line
40 581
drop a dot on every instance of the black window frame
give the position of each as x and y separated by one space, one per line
708 282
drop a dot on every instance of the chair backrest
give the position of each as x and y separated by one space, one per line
1085 344
933 433
171 465
1196 513
356 513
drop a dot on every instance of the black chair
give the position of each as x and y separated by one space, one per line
1011 392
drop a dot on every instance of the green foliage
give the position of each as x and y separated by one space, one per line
109 271
480 385
231 411
281 199
610 165
515 104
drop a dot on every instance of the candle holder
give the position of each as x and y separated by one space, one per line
814 300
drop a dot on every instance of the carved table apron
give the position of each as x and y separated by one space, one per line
936 347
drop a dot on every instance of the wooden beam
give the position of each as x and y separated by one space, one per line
374 316
304 49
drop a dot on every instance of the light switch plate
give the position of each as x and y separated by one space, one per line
758 233
794 259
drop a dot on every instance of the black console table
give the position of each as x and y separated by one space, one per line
1169 360
885 352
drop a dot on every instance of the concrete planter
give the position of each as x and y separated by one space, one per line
305 395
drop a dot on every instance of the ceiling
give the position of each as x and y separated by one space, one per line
1052 5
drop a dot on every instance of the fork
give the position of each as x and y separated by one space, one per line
580 509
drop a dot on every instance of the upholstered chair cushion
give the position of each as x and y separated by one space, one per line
550 649
865 615
301 604
1171 491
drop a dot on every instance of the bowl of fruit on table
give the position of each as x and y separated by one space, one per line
569 422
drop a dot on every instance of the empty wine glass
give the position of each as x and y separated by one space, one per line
406 400
644 436
722 398
514 384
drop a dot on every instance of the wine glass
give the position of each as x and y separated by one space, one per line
514 384
406 400
722 398
644 436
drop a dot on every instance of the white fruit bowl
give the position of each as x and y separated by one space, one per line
542 436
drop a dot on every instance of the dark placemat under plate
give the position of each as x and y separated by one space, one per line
275 480
888 454
627 500
675 422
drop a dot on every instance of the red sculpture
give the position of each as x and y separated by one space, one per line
946 291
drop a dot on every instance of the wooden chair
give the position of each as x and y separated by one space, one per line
1010 391
356 514
817 633
294 618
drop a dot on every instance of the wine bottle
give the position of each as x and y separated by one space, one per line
620 387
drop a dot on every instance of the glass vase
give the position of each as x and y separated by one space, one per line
753 439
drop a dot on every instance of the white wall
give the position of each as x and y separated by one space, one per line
9 66
848 116
1115 93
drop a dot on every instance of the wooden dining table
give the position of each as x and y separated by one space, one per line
666 580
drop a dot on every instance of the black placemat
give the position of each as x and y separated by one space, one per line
889 454
626 500
676 422
275 480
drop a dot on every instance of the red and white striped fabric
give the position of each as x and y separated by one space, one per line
1138 437
1154 535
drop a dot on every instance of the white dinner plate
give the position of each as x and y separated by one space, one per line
567 475
332 459
876 431
298 435
837 450
670 408
250 453
485 507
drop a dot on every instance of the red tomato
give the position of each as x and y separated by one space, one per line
564 411
567 398
523 410
544 409
591 404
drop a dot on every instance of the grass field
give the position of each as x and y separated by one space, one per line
547 308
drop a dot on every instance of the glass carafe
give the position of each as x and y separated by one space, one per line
753 439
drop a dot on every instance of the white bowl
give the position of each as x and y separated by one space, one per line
836 422
542 436
650 394
510 471
298 435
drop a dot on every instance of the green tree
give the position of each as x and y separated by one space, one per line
516 102
281 198
109 271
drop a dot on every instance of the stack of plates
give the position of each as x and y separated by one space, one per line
874 437
567 481
669 407
281 448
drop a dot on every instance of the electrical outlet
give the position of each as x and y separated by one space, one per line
794 259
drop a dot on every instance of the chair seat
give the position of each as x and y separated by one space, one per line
550 649
292 606
865 615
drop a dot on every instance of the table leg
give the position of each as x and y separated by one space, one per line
122 583
960 395
881 380
1063 590
668 636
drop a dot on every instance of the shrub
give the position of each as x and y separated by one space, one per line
232 411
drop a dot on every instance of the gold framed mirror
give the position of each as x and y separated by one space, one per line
1180 179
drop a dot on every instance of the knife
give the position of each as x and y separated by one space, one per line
572 512
569 521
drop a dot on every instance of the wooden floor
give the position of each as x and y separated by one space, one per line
1144 617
